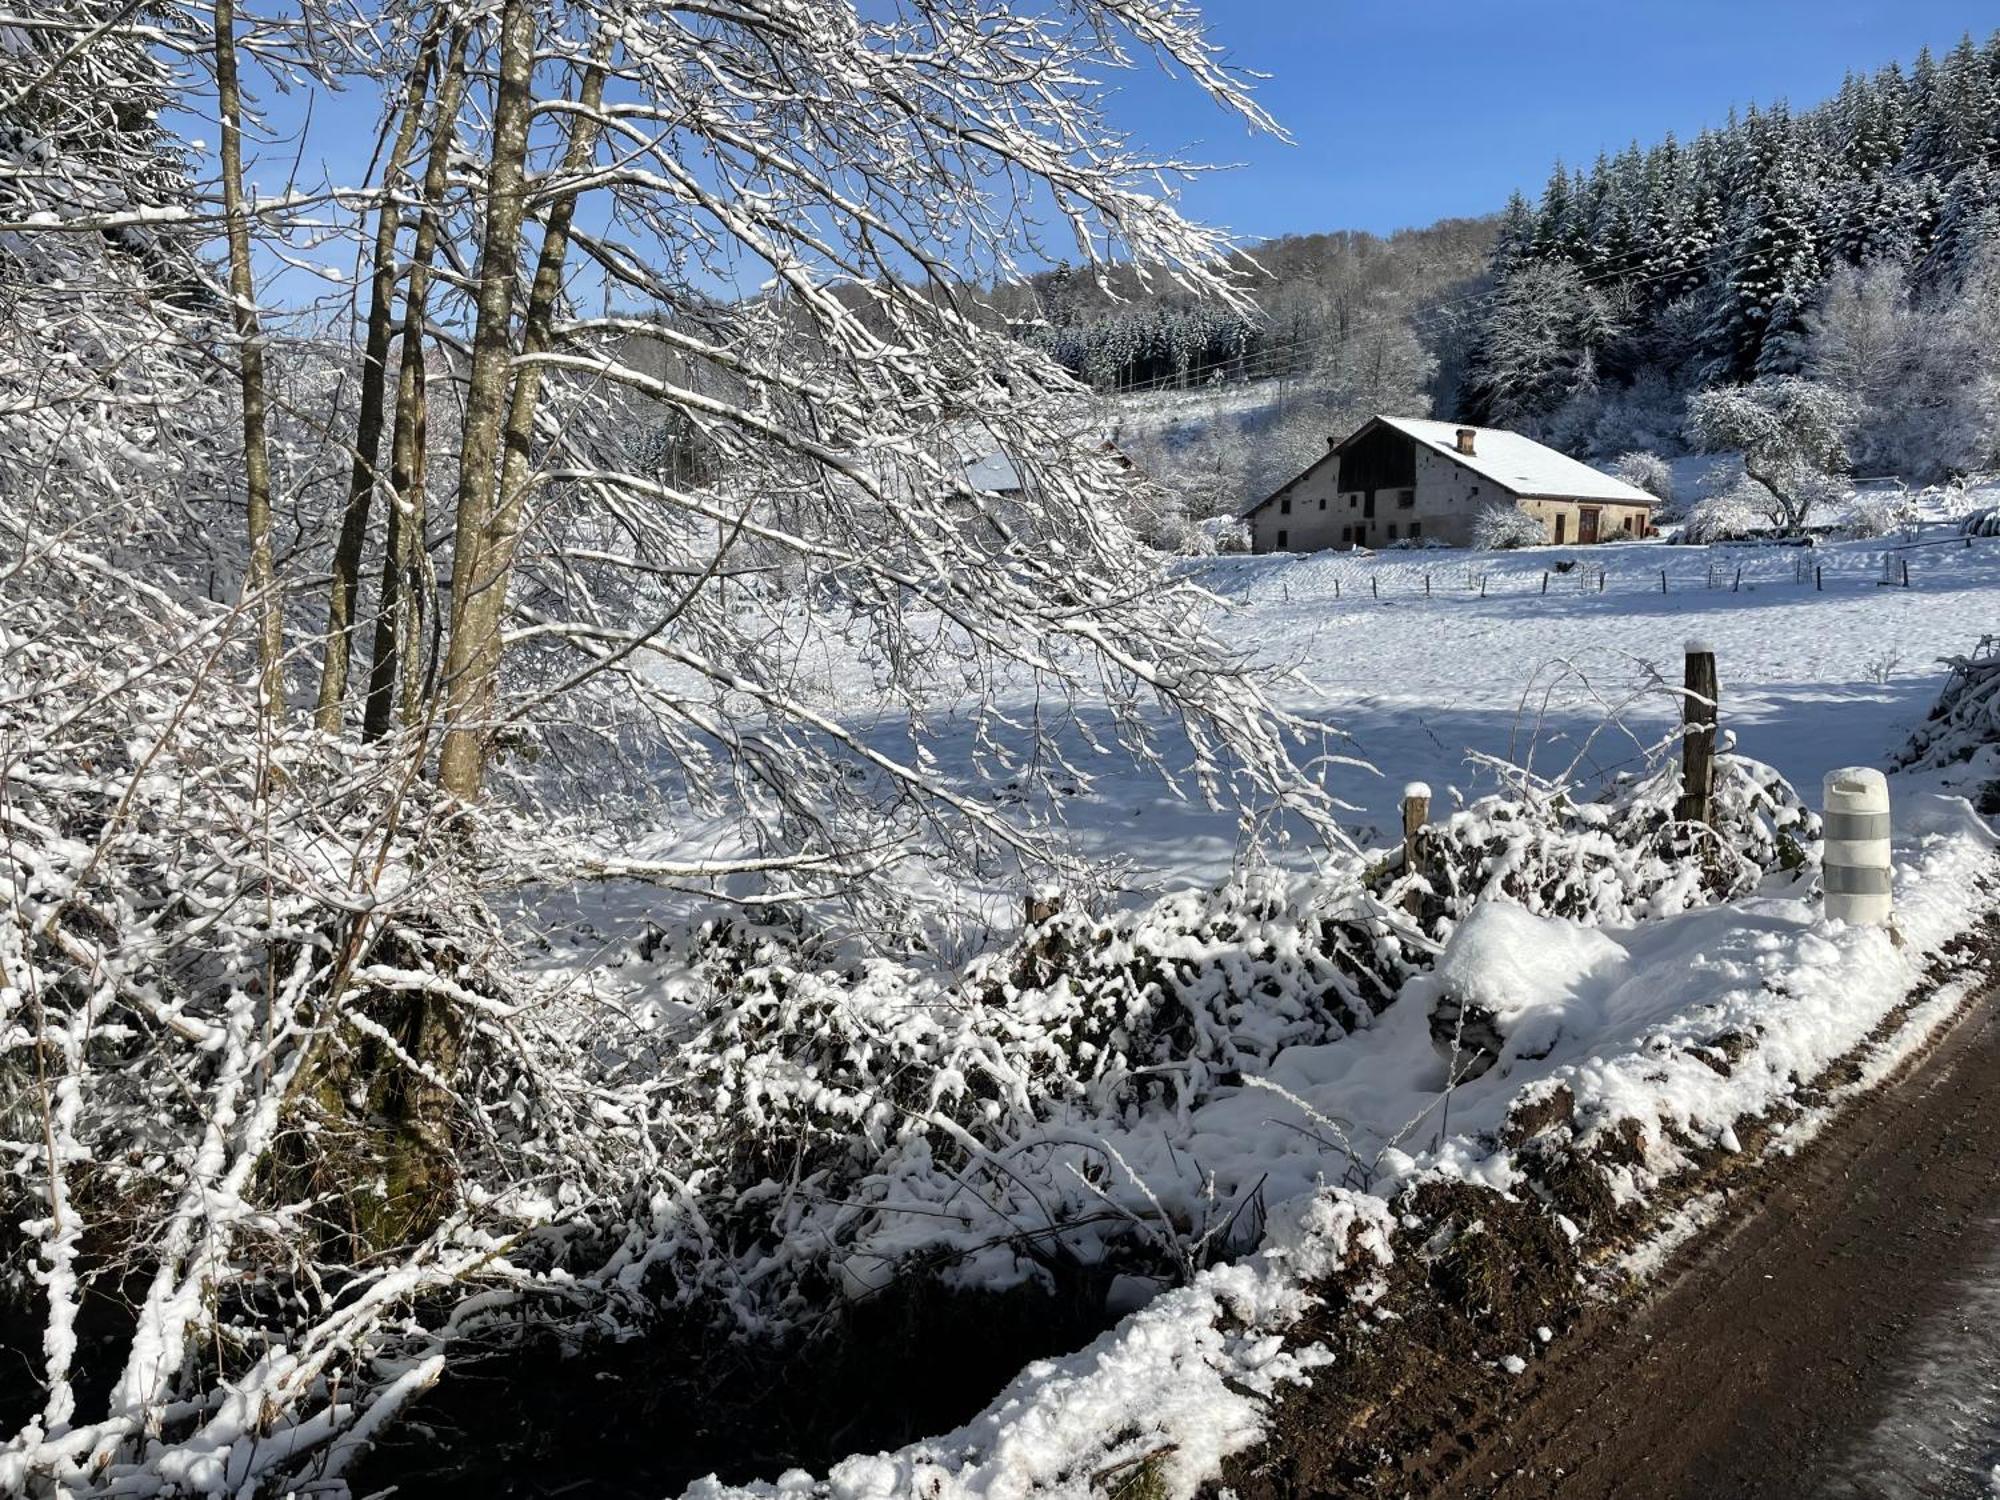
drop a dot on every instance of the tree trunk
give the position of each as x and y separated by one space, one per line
483 565
261 580
346 585
486 388
395 672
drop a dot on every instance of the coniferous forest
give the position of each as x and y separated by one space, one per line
1851 243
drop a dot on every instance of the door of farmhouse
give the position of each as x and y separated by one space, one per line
1586 525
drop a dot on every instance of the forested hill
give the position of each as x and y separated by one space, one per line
1856 243
1311 292
1764 247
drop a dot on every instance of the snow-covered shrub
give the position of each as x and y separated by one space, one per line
1963 728
1648 472
1227 536
831 1114
264 1093
1882 513
1621 859
1502 528
1725 517
1982 522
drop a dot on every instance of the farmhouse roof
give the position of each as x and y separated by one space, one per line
1521 464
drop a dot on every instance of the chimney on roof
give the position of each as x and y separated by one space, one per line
1465 437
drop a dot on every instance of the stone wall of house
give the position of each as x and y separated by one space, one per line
1562 520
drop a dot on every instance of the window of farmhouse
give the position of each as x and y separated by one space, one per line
1405 499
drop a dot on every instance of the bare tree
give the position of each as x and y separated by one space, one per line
490 518
396 670
261 578
344 589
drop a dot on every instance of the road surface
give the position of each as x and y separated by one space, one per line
1837 1335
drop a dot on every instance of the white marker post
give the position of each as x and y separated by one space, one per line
1856 862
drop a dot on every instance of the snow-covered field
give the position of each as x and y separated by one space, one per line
1818 670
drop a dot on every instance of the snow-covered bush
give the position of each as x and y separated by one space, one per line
1502 528
1982 522
1963 727
264 1091
1878 514
1725 517
831 1114
1648 472
1226 535
1621 859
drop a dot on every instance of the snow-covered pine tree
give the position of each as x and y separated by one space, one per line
1773 266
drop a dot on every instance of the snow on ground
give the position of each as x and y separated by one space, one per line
1821 666
1813 678
1423 659
1629 1019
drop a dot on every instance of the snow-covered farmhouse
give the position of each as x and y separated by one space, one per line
1400 479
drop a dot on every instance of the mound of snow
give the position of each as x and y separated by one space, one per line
1509 983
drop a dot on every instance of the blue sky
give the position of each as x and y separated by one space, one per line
1407 111
1402 111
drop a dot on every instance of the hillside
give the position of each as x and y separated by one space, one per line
1853 242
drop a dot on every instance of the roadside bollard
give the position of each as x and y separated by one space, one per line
1856 863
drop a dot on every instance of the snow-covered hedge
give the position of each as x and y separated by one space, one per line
1962 734
848 1122
1679 1051
1623 859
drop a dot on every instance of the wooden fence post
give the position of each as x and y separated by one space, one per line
1819 580
1663 580
1375 585
1427 585
1698 720
1545 580
1416 813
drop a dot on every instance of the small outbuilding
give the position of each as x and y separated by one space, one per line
1404 479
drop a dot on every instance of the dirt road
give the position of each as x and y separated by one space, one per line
1783 1350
